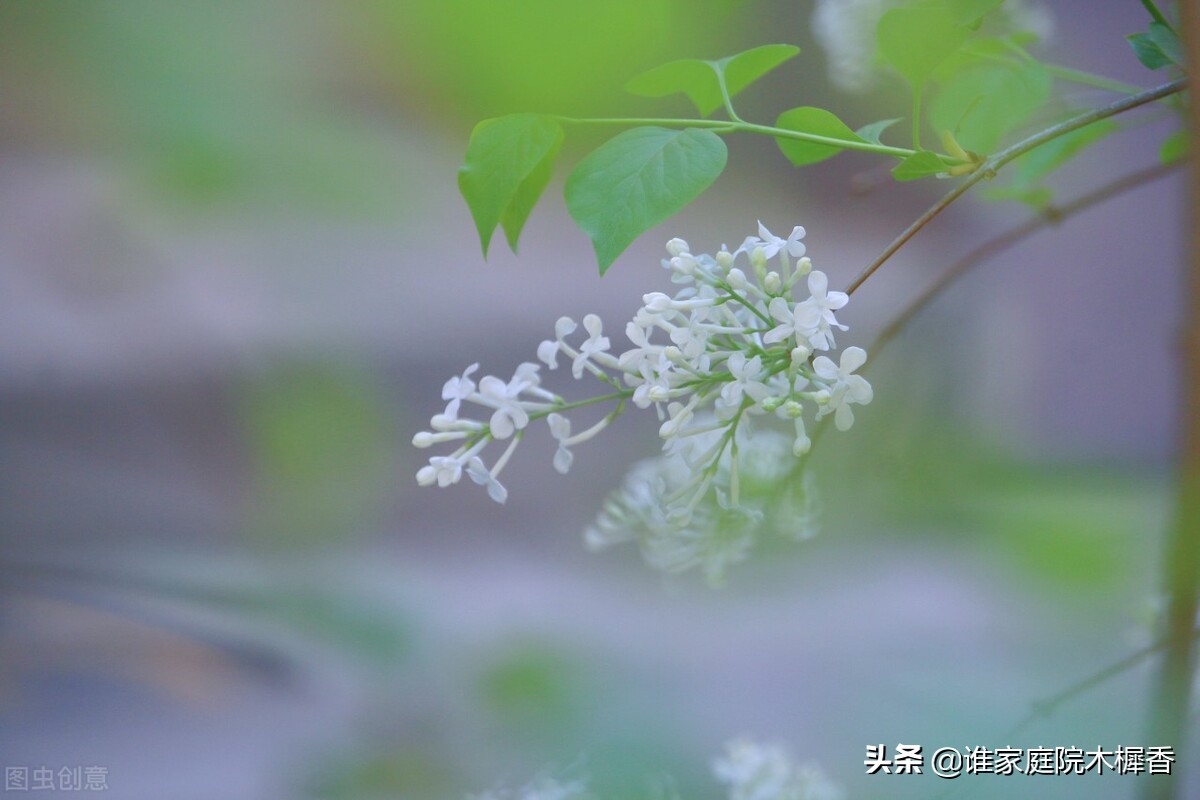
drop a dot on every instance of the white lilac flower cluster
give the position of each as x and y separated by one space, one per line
733 346
755 771
751 771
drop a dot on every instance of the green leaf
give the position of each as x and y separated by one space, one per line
698 78
916 38
1042 160
636 180
527 194
874 130
983 103
507 166
1147 51
818 121
1037 198
1174 148
1167 41
972 12
920 164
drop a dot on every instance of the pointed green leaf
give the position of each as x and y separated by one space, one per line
698 79
916 38
1167 41
1147 51
746 67
920 164
874 130
508 160
636 180
527 194
818 121
1174 148
983 103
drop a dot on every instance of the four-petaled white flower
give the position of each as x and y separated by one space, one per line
481 475
560 429
802 322
825 302
595 343
771 244
509 415
847 388
746 381
458 389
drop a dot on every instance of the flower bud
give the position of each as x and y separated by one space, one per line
792 409
657 302
424 439
773 283
677 247
737 279
725 258
770 404
800 354
803 267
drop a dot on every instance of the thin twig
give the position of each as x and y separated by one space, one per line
989 167
1052 215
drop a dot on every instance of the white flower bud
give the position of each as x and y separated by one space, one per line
424 439
426 476
803 267
677 247
792 409
800 354
725 258
770 404
737 279
773 283
801 446
684 264
657 302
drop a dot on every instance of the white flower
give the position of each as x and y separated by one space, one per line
771 245
825 302
458 389
803 322
756 771
653 381
509 415
481 475
442 470
594 344
560 429
548 350
745 381
845 387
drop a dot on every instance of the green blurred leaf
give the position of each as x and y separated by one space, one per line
1148 51
1174 147
531 683
636 180
920 164
972 12
1167 41
818 121
873 131
1042 160
983 103
916 38
698 78
507 166
1037 198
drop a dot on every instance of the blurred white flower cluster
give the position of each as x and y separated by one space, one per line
845 29
756 771
750 770
744 338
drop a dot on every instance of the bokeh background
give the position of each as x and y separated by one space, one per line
234 273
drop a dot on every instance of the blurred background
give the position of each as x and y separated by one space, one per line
234 273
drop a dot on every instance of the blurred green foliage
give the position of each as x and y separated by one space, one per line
322 444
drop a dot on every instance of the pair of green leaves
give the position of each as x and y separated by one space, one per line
623 188
631 183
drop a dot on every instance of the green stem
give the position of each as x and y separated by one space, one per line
1154 12
1088 79
725 98
741 126
988 168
